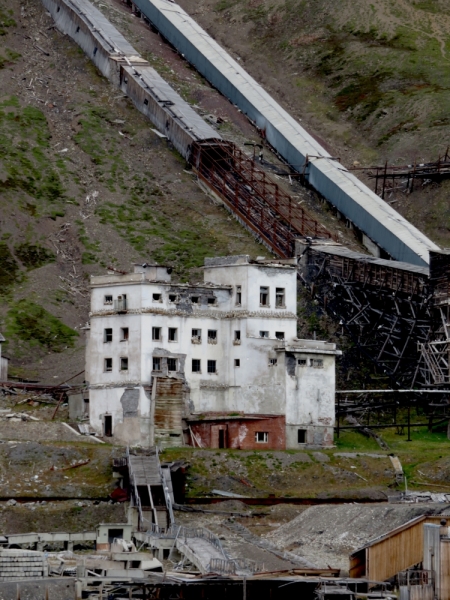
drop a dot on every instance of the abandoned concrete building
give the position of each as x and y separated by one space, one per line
216 364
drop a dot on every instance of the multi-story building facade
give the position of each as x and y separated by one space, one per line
212 364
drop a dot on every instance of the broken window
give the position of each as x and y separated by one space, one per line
156 363
157 297
264 334
172 364
279 335
108 364
173 334
173 298
261 437
212 300
124 334
194 299
279 297
273 362
108 299
301 362
264 296
238 295
212 366
124 364
156 333
237 362
301 436
107 335
212 336
316 363
196 365
196 336
237 336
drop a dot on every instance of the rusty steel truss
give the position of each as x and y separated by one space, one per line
250 194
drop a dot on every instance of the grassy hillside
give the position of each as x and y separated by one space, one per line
370 79
84 183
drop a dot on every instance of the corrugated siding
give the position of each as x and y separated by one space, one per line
355 200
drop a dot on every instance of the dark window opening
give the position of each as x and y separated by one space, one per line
302 362
211 301
316 363
58 9
196 335
264 296
279 335
172 364
145 101
237 362
124 364
212 336
172 297
114 534
273 361
279 297
108 299
301 436
95 51
78 29
157 297
237 335
194 299
108 425
124 334
212 366
156 363
238 295
107 335
173 334
196 365
108 364
261 437
264 334
156 333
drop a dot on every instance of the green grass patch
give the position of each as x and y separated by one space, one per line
30 323
33 256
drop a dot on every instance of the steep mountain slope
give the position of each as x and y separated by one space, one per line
84 183
370 79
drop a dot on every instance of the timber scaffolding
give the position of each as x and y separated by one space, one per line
391 178
397 314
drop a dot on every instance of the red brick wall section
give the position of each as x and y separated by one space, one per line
241 433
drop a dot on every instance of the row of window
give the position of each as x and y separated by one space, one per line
172 364
172 335
264 297
262 437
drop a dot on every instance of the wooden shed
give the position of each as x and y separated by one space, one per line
397 550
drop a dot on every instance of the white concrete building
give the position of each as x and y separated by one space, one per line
162 353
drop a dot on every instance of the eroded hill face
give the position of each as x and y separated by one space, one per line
370 79
84 184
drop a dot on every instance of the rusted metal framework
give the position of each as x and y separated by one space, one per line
253 197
